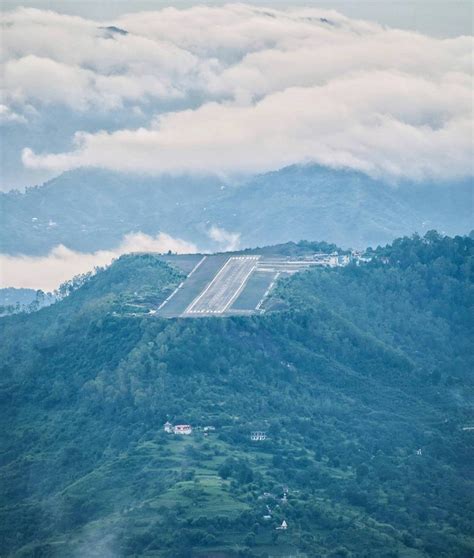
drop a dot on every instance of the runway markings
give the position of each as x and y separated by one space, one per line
267 292
189 309
170 296
239 290
225 287
181 284
197 265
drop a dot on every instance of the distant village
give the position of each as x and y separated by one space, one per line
188 429
254 436
338 260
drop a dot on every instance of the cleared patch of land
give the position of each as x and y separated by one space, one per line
230 284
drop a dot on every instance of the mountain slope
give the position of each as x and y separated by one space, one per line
89 210
366 453
312 202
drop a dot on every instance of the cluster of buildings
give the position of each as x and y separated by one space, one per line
331 260
284 500
292 265
359 257
339 260
186 429
256 436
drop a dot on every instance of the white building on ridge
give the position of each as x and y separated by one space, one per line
184 429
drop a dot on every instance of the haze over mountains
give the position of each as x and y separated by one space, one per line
222 126
282 397
92 209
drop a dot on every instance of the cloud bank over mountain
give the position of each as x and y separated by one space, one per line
241 89
48 272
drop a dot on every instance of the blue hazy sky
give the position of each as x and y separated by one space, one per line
442 18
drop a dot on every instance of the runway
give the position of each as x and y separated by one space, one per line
226 286
237 284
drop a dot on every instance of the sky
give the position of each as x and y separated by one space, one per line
61 263
445 18
234 89
383 87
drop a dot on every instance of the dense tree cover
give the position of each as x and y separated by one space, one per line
360 380
416 294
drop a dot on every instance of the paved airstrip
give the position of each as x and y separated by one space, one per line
225 284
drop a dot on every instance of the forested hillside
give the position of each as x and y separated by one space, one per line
361 378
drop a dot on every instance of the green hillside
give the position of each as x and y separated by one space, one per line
361 378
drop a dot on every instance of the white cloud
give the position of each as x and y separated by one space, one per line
96 70
264 88
381 123
8 115
47 81
229 240
48 272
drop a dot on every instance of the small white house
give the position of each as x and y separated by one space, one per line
258 436
185 429
343 260
283 526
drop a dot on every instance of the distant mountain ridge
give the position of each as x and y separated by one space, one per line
91 209
12 296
